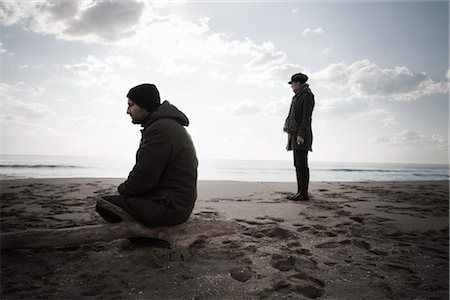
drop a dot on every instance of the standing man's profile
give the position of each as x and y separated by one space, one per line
298 128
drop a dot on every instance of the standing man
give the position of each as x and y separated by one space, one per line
161 189
298 128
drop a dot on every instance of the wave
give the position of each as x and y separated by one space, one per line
371 170
39 166
436 175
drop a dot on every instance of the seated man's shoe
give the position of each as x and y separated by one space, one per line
106 214
300 197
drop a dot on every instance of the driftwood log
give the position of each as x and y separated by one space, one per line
182 235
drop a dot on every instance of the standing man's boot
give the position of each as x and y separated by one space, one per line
303 188
299 187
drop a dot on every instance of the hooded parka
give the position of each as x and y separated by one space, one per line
161 189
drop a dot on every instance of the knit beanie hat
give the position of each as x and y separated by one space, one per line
145 95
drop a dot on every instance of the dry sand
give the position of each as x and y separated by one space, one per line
365 240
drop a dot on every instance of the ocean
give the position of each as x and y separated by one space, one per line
43 166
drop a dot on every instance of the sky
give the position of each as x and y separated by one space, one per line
379 72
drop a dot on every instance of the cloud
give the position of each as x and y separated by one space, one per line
439 141
365 79
2 50
348 107
343 107
11 12
416 139
89 21
60 10
181 46
408 138
96 72
309 31
389 120
15 107
380 139
244 108
265 55
108 20
171 67
272 76
252 108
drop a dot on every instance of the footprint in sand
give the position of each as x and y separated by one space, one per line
300 284
208 214
277 220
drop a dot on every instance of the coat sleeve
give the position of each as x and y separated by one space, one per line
151 160
306 114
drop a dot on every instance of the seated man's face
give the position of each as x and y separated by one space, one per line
137 113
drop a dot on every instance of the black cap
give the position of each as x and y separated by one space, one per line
299 77
145 95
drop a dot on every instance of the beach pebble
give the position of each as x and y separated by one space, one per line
278 285
309 290
282 263
242 273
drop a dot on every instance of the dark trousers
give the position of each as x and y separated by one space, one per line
144 210
301 170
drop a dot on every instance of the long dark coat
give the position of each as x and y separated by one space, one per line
303 117
161 189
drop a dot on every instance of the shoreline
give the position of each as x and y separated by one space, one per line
121 179
368 239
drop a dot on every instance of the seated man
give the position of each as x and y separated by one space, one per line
161 189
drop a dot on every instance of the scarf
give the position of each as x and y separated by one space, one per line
290 125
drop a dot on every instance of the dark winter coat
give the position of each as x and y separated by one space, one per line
303 116
161 189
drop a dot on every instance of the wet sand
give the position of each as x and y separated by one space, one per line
352 240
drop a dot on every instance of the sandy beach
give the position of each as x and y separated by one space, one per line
352 240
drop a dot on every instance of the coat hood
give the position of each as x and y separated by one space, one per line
168 111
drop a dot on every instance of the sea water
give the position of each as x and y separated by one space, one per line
43 166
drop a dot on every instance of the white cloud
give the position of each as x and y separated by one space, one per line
380 139
16 108
11 12
20 88
83 120
389 120
244 108
343 107
413 139
265 56
251 108
179 45
348 107
272 76
171 67
108 20
439 142
219 76
365 79
101 73
2 50
408 138
89 21
309 31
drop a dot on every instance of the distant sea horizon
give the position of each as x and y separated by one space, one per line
55 166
